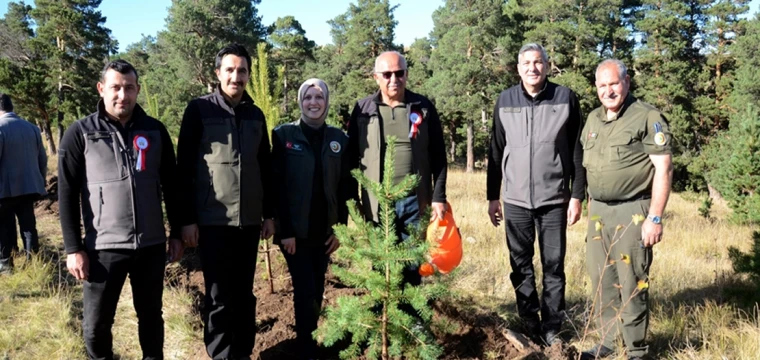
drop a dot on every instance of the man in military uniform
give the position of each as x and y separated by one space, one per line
627 156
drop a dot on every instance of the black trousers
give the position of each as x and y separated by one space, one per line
108 271
228 258
307 269
550 222
21 207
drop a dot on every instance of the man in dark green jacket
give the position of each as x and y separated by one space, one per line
414 121
224 164
627 156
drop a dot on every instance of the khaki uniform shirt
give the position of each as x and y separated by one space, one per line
616 151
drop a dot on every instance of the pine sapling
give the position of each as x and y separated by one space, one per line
373 258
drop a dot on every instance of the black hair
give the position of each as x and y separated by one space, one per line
232 49
5 103
120 66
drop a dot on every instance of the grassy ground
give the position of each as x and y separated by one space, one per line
694 315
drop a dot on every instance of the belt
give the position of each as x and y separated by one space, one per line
618 202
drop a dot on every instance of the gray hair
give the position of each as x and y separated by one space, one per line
403 59
622 70
533 47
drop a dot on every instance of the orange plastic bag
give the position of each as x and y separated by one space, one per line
445 245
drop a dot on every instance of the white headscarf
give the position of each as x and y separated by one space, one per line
325 92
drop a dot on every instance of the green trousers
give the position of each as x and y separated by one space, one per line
618 265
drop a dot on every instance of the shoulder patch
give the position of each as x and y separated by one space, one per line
335 146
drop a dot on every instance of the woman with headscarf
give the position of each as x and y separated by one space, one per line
312 171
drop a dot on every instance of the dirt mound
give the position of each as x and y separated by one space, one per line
478 335
48 204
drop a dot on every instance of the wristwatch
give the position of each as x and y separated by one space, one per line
655 219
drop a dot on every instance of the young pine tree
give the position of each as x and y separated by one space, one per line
375 258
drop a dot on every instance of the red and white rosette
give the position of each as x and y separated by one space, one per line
416 119
142 144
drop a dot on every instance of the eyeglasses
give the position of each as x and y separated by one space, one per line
387 74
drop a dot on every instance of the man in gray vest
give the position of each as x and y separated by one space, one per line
224 165
120 161
414 121
536 152
23 166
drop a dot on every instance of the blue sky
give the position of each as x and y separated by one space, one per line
129 20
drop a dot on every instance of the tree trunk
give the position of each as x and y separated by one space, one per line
285 90
470 147
385 315
45 127
61 96
452 143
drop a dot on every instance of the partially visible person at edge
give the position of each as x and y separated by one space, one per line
23 167
120 161
314 182
536 152
413 120
627 155
225 169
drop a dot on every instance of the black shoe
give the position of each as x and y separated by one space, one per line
551 337
532 327
597 352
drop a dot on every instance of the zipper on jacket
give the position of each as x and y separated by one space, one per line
127 151
100 207
530 138
240 171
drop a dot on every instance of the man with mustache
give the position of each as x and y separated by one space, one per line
627 155
224 165
535 150
413 120
120 162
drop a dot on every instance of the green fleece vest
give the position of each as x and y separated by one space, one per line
299 171
229 189
372 148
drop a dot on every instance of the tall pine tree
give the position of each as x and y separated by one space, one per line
359 35
291 49
197 30
465 65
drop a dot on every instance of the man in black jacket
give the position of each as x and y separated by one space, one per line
413 120
120 160
535 148
224 165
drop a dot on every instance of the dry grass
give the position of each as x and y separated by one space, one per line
691 318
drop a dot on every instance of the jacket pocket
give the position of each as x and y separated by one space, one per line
587 145
103 156
621 150
217 140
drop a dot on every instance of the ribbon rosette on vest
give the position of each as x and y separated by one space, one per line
142 144
445 245
416 119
